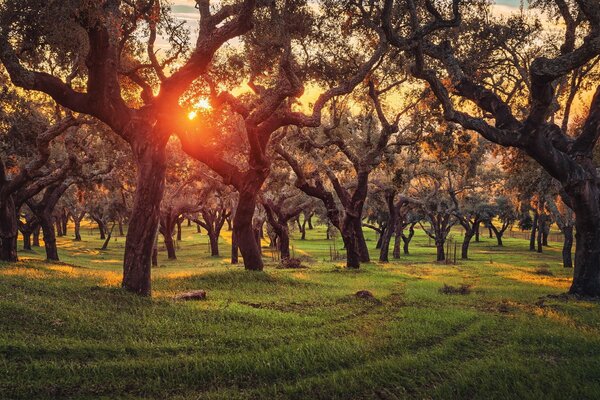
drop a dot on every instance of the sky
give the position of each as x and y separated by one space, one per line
184 9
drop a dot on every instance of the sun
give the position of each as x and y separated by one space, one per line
203 104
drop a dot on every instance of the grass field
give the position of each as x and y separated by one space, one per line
68 331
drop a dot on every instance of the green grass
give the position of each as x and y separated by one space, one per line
68 331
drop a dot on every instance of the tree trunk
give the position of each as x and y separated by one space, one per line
441 255
309 220
36 237
303 230
107 241
477 234
59 230
284 243
397 240
9 230
379 240
407 239
121 233
26 241
567 247
49 238
545 232
179 230
143 222
533 232
540 231
234 248
102 229
214 244
498 233
170 245
385 242
352 256
65 222
242 226
77 229
361 243
465 245
586 275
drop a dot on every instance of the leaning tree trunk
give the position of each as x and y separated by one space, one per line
170 245
499 233
9 230
567 247
143 223
49 237
244 231
465 245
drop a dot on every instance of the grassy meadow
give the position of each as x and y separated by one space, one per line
68 332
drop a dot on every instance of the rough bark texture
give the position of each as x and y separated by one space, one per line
242 226
567 247
143 222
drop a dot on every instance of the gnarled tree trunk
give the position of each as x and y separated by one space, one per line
143 223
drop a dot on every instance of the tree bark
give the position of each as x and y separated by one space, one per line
36 237
49 237
179 230
390 229
242 226
533 232
214 244
108 236
567 247
397 240
234 247
540 231
9 230
465 245
440 254
407 239
77 229
27 241
586 275
143 223
361 243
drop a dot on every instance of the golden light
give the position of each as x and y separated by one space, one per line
202 104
